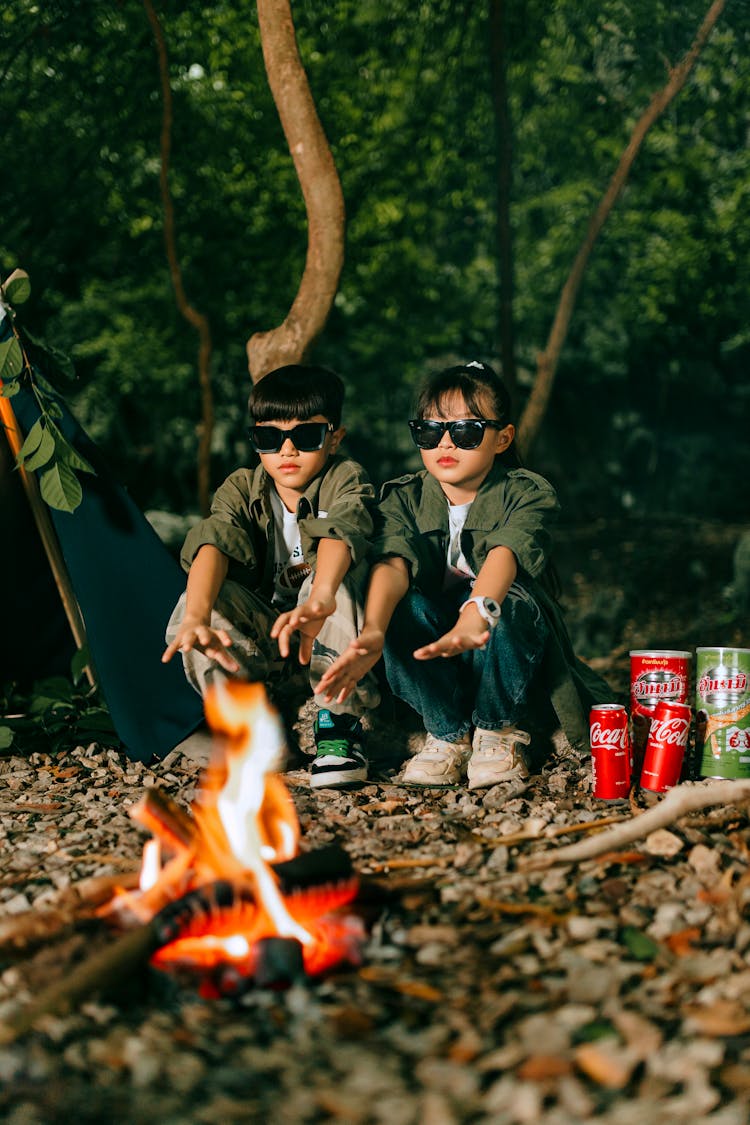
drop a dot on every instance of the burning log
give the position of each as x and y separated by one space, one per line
233 878
223 892
165 819
200 931
77 905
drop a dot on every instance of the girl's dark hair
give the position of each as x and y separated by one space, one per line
478 384
297 391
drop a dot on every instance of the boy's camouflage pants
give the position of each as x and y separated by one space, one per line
247 617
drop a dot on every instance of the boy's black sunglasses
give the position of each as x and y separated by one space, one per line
467 433
307 437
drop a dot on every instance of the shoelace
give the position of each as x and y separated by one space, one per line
336 747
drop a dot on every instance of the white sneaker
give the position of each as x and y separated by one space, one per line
495 756
438 763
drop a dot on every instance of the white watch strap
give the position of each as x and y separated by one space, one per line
479 601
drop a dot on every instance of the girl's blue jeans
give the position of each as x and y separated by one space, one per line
483 688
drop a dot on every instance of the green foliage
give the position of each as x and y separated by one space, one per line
659 341
46 449
594 1030
56 714
639 945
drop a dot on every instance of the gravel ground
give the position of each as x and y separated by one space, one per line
615 989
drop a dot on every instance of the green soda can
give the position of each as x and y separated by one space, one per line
722 707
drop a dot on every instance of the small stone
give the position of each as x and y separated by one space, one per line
663 843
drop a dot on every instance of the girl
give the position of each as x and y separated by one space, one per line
462 572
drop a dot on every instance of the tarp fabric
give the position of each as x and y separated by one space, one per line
126 583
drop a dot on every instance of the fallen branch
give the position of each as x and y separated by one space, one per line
560 830
679 801
77 905
400 864
115 963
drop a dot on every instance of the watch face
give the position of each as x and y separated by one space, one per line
492 607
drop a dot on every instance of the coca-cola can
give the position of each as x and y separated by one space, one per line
610 751
665 749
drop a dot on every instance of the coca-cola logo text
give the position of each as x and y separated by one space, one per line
608 737
669 732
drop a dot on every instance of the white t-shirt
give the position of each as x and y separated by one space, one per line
290 569
457 568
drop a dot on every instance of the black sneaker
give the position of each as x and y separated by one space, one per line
339 760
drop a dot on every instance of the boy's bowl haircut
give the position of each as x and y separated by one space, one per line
297 391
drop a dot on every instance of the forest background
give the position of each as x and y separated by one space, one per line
649 413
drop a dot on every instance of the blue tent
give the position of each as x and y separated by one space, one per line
126 584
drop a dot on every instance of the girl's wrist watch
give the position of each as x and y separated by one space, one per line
488 609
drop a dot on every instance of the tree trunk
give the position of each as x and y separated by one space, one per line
190 313
504 148
291 341
547 360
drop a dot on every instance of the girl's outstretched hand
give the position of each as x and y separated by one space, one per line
461 638
355 661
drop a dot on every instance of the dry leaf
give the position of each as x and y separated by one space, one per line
681 942
538 1068
723 1017
606 1063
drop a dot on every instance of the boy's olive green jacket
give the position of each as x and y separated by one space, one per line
241 522
514 508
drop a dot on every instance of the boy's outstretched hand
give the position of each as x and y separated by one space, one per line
306 619
355 661
212 642
461 638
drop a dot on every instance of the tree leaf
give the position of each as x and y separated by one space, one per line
11 359
42 454
79 663
12 387
61 488
6 737
67 454
17 288
32 442
640 945
593 1030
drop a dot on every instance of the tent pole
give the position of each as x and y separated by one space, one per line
47 535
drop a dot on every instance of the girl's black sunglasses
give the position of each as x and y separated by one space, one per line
467 433
306 438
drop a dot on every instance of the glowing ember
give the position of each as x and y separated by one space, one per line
207 878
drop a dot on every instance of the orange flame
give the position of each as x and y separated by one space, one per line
245 822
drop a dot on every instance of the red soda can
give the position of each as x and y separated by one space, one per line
665 749
610 751
657 674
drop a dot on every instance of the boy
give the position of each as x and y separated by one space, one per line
280 553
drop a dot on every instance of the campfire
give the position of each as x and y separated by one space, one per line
224 888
